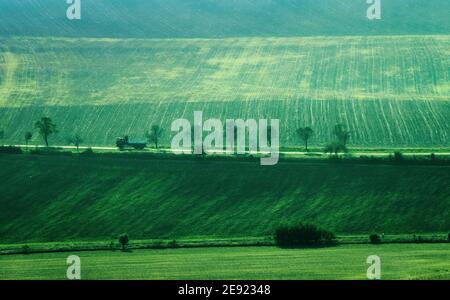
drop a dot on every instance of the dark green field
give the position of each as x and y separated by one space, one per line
52 198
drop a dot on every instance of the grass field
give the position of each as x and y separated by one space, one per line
389 91
56 198
343 262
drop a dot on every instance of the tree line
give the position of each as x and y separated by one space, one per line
46 127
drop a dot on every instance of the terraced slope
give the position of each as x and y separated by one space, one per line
98 198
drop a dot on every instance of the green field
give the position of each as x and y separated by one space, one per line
130 64
343 262
57 198
389 91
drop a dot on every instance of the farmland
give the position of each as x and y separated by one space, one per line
100 197
130 64
343 262
389 91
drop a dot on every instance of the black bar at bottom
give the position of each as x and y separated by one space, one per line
224 289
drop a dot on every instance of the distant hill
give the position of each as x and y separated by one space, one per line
62 198
221 18
129 64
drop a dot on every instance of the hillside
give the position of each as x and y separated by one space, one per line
127 65
98 198
389 91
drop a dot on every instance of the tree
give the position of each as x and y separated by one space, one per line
123 240
28 136
375 238
341 133
46 127
303 235
154 135
76 140
305 134
398 156
340 143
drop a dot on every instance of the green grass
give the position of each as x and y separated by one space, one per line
203 242
342 262
57 198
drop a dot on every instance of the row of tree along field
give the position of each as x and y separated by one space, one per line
292 236
46 127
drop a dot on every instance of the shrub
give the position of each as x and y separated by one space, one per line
26 249
88 151
112 246
375 238
123 240
173 244
398 156
35 151
10 150
302 235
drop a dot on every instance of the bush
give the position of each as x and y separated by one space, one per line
173 244
302 235
112 246
88 151
398 156
35 151
26 249
10 150
123 240
375 238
